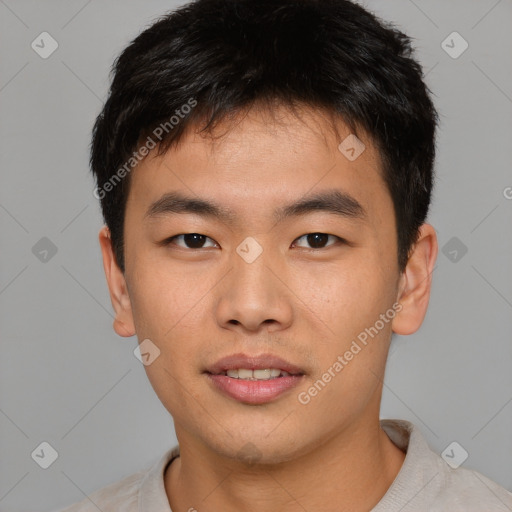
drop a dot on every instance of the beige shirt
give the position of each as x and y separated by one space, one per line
425 483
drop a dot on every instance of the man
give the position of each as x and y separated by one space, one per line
265 171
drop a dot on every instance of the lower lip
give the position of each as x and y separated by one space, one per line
254 391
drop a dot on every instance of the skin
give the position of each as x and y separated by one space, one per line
303 304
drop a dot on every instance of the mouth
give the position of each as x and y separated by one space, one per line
255 374
254 379
259 367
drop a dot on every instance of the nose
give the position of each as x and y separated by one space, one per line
254 296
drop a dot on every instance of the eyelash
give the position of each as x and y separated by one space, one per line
169 241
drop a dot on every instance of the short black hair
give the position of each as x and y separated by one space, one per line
211 59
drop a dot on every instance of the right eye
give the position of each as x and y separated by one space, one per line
191 240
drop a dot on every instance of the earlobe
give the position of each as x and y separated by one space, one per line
415 283
123 321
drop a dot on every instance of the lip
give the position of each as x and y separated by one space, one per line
253 392
258 362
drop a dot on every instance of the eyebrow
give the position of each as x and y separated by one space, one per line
330 201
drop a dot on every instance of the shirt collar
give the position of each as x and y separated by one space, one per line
402 433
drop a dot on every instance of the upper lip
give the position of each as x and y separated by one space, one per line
253 362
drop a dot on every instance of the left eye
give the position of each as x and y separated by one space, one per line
318 240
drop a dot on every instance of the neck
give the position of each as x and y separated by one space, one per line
350 471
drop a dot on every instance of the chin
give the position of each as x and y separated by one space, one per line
258 449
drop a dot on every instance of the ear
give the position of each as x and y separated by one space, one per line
415 283
123 322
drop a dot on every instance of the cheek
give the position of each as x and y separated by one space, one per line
350 302
166 300
351 305
347 298
166 310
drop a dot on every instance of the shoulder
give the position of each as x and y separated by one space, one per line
132 493
465 489
426 482
121 496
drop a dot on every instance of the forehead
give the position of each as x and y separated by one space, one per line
261 160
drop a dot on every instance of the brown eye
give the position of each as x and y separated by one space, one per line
318 240
190 240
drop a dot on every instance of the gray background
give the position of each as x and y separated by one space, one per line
67 379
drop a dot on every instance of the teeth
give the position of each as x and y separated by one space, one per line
247 374
244 374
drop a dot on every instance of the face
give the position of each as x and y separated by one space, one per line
259 277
